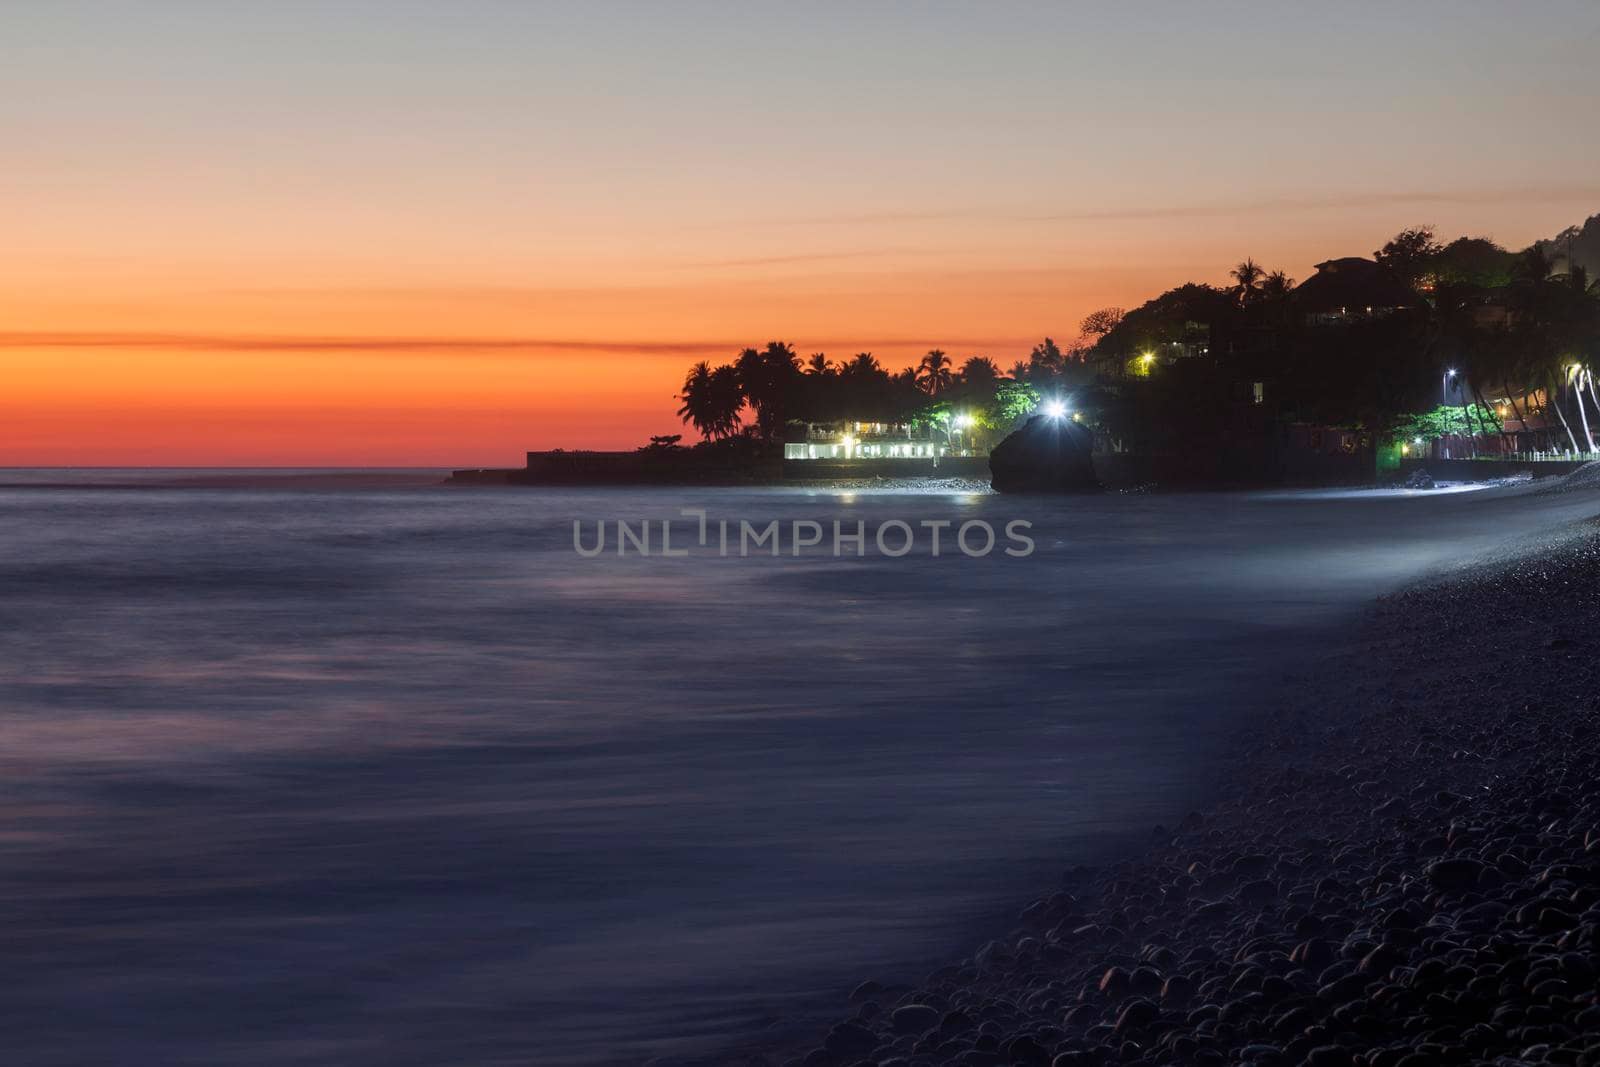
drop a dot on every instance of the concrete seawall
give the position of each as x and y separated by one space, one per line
1196 469
802 470
644 468
625 468
1482 470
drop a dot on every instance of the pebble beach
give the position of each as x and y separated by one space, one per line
1401 868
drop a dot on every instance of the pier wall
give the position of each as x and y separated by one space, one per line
1482 470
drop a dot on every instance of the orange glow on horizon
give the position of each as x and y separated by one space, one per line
370 233
248 372
468 376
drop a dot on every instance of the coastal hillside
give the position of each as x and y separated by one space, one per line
1576 246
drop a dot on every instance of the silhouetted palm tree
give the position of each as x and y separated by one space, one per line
1046 358
862 363
1556 323
1579 332
1544 376
1247 280
711 400
1276 286
933 373
818 363
768 378
1577 378
979 370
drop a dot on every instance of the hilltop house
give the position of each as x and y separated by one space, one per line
1351 290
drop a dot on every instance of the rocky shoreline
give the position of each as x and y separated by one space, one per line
1402 869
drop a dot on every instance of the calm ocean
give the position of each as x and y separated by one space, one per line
369 771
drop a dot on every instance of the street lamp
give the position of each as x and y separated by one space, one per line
1055 409
962 422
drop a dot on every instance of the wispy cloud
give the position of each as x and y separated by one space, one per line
422 346
532 295
1575 193
383 344
810 257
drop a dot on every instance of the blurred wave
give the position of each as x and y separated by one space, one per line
312 775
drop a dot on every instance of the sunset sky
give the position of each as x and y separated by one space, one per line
444 233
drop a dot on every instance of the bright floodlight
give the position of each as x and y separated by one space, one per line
1055 409
1451 372
963 420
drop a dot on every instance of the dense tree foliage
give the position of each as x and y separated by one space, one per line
1202 363
1099 323
711 400
1410 253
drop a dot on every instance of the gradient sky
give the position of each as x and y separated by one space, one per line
443 233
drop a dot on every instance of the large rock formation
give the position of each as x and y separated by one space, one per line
1048 454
